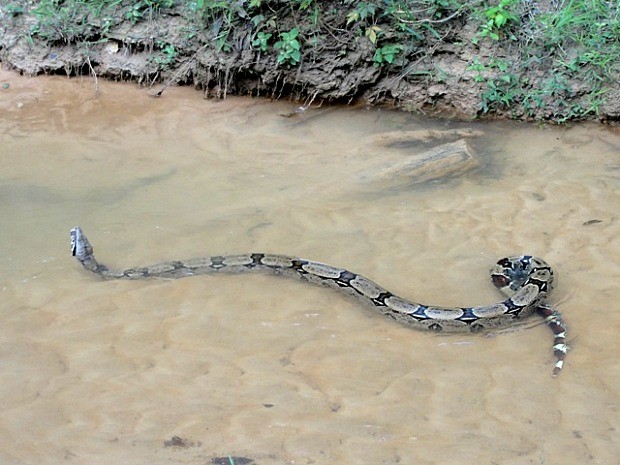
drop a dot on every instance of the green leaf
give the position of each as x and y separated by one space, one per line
352 16
372 36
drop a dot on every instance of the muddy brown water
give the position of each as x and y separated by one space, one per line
274 370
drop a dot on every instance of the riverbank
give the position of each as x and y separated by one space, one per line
540 60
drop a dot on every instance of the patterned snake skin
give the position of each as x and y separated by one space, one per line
525 280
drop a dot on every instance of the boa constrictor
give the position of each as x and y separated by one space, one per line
525 280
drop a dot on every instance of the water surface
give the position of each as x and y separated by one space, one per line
277 370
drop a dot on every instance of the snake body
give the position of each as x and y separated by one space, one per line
524 279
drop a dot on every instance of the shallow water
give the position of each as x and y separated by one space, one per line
276 370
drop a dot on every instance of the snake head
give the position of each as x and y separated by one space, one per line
511 274
80 247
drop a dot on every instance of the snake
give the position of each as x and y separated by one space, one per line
524 280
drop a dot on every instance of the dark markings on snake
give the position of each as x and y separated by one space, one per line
468 315
256 259
217 262
381 298
346 277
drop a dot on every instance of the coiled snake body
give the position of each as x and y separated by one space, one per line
525 280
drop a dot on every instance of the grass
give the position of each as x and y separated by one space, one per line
574 45
581 41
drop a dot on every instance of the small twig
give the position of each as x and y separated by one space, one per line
306 106
182 68
170 81
92 70
431 21
329 29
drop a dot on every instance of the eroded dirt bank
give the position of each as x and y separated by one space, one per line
441 57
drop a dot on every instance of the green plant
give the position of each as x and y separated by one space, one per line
288 47
479 68
503 87
410 25
221 17
14 10
577 45
501 93
361 12
305 4
386 54
488 68
135 13
167 56
58 22
498 18
440 9
73 21
143 8
261 40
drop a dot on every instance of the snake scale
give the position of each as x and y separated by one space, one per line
524 279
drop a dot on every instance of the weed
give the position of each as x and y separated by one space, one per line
135 13
71 21
14 10
479 68
483 71
498 19
167 57
59 22
580 41
288 47
365 13
261 40
361 12
146 8
386 54
501 93
305 4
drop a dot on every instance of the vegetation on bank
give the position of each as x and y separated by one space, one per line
552 59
